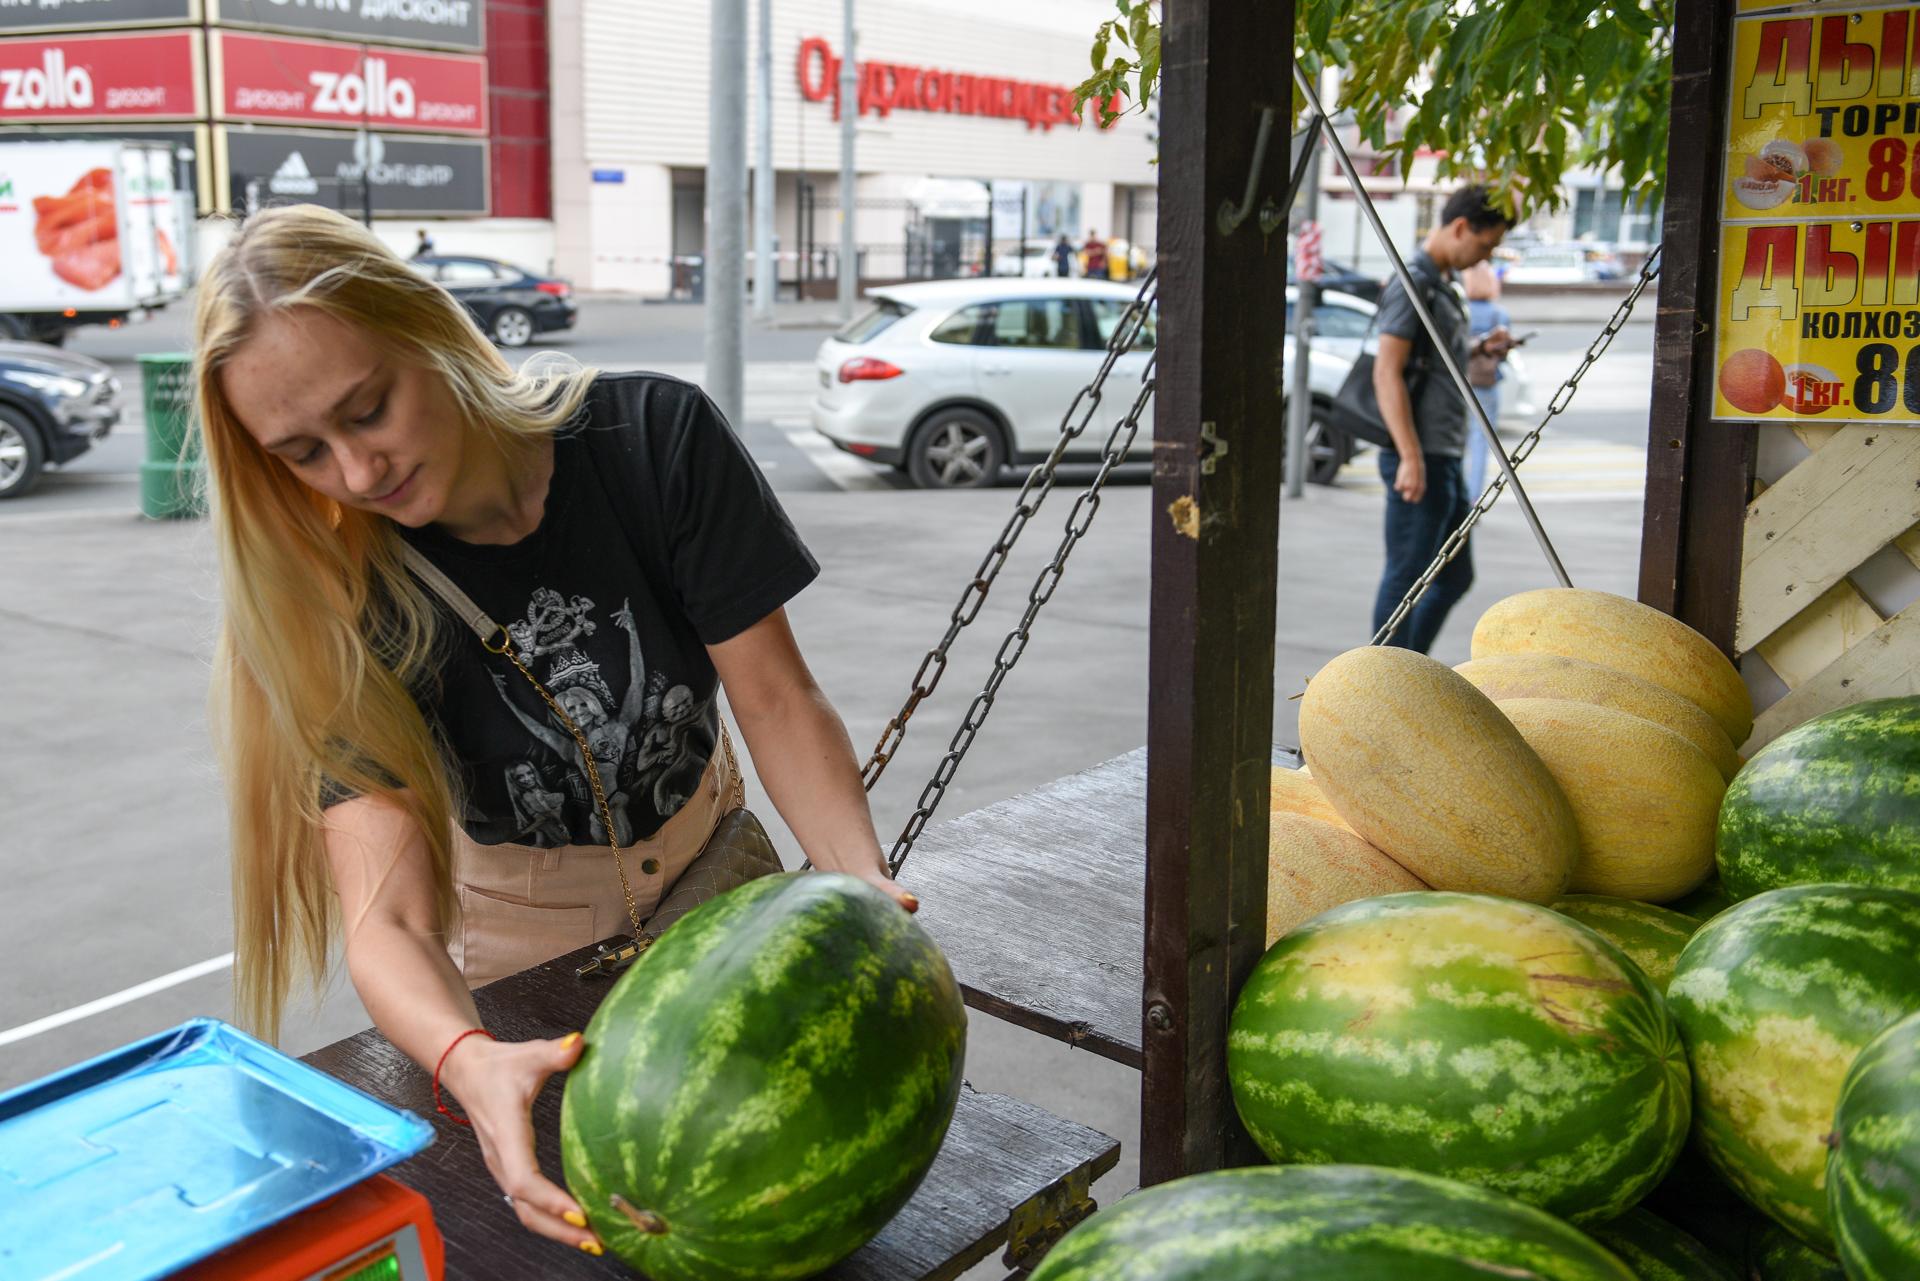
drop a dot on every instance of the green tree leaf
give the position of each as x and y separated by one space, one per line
1510 92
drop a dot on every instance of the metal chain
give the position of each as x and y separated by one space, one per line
506 649
1039 484
1079 520
1561 399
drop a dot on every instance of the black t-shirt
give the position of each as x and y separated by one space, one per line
659 537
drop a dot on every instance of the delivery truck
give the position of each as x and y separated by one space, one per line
91 233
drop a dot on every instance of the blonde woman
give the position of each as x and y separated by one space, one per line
377 472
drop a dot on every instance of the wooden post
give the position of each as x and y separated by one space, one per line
1699 472
1218 437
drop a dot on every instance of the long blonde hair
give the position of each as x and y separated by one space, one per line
323 630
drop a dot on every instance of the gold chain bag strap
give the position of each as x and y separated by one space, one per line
739 833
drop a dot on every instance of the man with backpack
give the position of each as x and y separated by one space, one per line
1423 411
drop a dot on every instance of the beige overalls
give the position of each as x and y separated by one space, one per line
521 905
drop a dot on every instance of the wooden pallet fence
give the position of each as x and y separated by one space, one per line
1857 492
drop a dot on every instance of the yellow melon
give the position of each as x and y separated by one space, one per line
1295 792
1646 800
1425 768
1504 676
1312 866
1626 636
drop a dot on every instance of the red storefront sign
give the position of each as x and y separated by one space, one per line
153 75
895 86
316 82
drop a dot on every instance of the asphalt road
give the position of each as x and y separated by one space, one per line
116 918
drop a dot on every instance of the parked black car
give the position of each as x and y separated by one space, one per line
53 406
511 305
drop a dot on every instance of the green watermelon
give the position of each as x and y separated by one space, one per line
1658 1251
1650 936
1873 1172
1477 1038
1835 800
1778 1255
1775 997
1705 903
1315 1223
765 1087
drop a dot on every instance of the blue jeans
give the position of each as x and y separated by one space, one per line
1477 456
1415 532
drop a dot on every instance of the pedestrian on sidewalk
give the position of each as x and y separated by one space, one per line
1093 256
1485 370
1426 487
1063 256
423 245
467 799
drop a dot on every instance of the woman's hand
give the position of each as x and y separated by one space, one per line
877 877
496 1083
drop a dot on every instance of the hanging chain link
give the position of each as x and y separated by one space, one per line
1039 484
1561 399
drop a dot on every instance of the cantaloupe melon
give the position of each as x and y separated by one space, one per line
1645 799
1295 792
1426 769
1626 636
1504 676
1313 865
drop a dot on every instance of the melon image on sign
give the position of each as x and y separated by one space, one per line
1752 381
1812 389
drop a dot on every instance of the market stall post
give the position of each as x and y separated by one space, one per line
1698 471
1225 115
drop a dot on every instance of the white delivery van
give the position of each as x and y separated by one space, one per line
90 232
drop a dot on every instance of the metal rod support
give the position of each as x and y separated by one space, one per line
1458 375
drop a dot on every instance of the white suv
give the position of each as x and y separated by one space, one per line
951 380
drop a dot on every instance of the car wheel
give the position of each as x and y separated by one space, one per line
13 328
512 327
21 454
956 449
1328 448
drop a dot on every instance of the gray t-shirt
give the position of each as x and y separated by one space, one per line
1439 415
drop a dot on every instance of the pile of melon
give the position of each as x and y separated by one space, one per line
1585 750
1511 1023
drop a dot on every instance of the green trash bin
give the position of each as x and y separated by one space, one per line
170 478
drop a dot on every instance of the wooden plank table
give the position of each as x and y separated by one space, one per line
1039 903
1008 1172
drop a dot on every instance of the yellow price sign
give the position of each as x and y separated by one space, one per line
1824 115
1819 322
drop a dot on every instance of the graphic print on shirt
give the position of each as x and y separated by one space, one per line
650 746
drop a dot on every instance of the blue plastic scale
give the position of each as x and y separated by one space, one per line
135 1164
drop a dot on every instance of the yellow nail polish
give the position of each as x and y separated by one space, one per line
593 1248
566 1042
576 1218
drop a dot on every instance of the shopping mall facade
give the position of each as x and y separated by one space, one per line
571 135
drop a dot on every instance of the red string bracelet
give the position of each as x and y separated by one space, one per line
438 1106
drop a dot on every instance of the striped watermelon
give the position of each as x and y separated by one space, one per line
1478 1038
1650 936
1775 997
1873 1172
1317 1223
1658 1251
1778 1255
767 1085
1835 800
